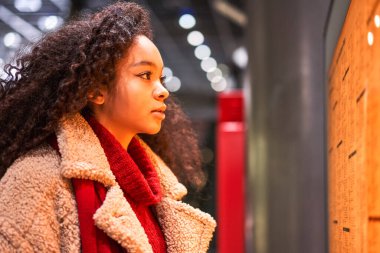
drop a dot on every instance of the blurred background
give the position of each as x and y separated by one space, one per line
263 83
201 42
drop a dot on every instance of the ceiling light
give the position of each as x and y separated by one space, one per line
12 40
195 38
202 52
49 23
215 75
173 85
240 57
187 21
168 73
208 64
219 86
28 5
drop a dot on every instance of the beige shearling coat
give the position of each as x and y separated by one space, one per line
38 210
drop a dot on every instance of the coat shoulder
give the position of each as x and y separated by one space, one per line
29 194
35 164
36 171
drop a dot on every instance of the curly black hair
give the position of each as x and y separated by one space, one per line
53 79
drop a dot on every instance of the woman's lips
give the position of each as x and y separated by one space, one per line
160 112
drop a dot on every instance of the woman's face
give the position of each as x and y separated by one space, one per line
137 103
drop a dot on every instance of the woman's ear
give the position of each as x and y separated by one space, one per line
97 96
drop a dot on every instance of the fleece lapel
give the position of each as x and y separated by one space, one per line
84 158
82 154
186 229
118 220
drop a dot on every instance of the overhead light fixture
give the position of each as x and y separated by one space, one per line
49 23
240 57
168 73
174 84
202 52
28 5
12 40
208 64
195 38
187 21
220 85
215 76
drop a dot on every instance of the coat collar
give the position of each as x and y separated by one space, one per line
84 158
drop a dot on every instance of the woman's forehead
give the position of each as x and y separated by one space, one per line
143 52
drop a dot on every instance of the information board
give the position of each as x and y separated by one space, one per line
354 132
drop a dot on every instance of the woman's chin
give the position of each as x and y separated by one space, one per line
153 130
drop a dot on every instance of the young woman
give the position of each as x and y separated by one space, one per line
83 168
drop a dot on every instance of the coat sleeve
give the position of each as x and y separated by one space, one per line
28 219
11 240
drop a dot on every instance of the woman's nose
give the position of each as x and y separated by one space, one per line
161 93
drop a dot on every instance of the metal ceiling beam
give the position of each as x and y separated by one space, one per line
19 25
231 12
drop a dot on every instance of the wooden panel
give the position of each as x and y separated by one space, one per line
354 133
373 236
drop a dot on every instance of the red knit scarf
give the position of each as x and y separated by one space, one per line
139 181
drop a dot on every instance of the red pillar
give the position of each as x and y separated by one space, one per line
230 173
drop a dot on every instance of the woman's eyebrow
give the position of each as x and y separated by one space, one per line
145 63
148 63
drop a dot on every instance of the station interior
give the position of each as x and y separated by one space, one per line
285 99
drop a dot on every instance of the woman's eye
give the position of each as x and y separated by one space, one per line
145 75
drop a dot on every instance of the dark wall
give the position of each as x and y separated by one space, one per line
286 185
